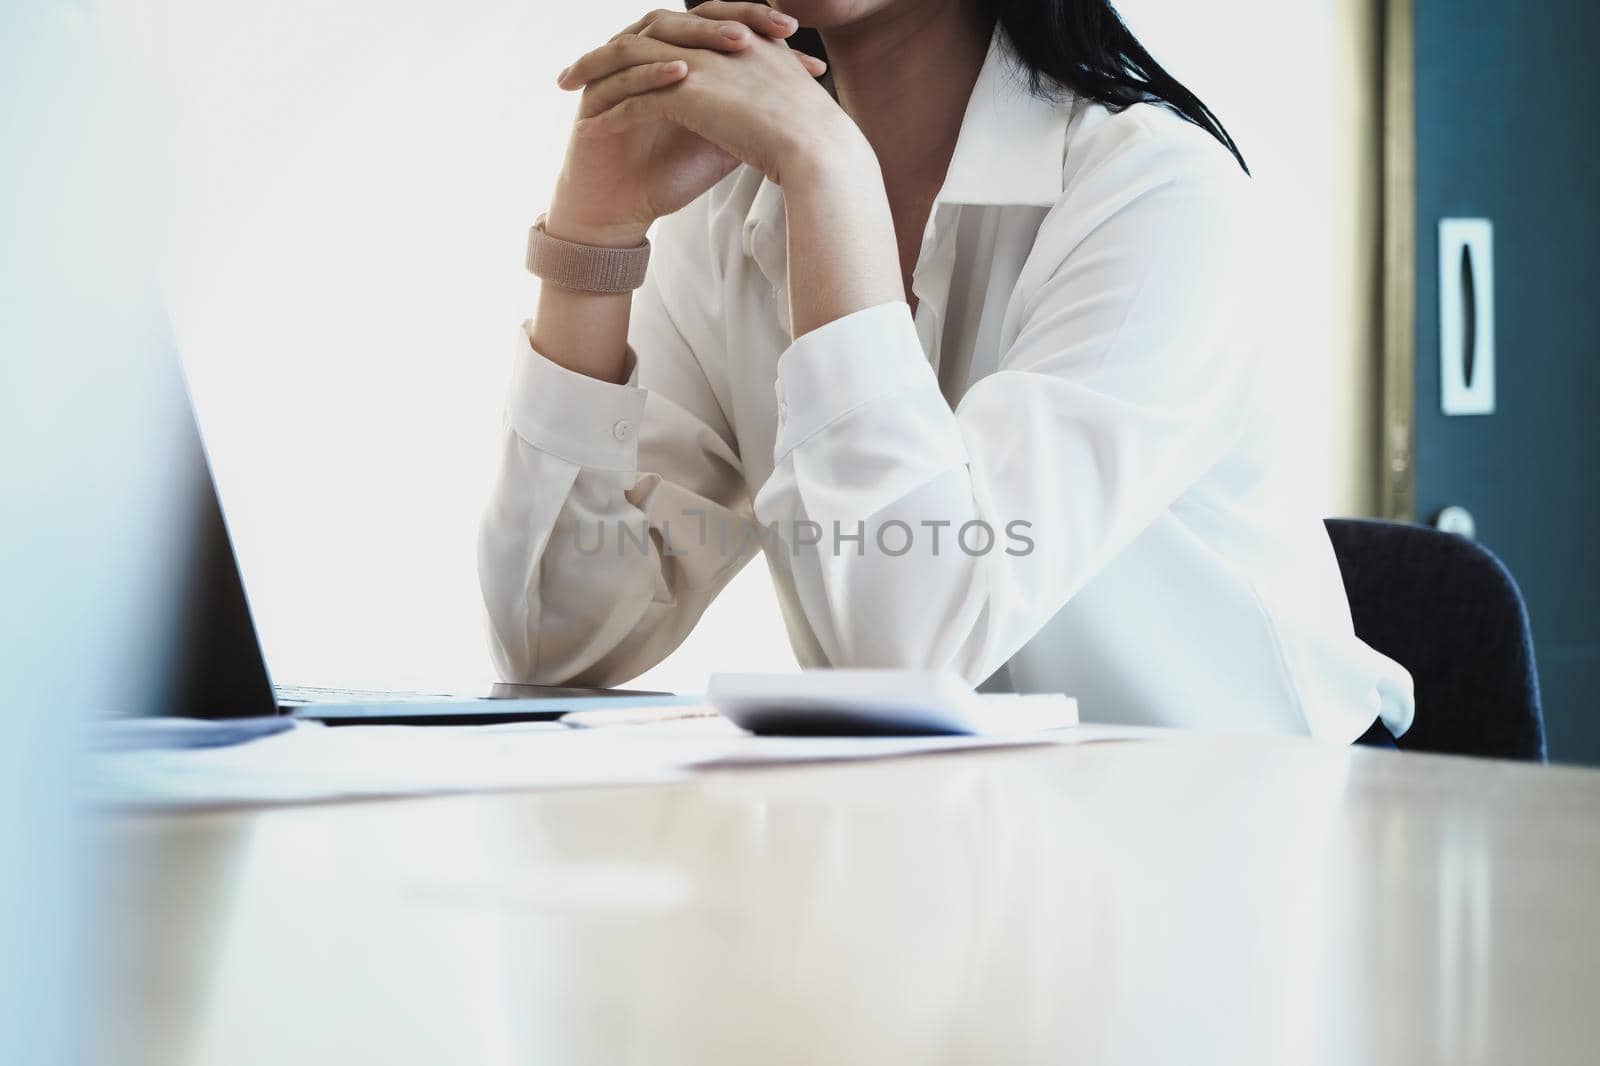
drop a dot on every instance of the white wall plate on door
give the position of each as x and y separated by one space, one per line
1466 316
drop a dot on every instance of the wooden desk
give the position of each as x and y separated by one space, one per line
1194 901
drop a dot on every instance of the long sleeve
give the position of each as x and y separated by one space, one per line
947 539
594 555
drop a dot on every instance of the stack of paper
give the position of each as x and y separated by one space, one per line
314 762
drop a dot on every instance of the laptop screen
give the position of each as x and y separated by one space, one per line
129 601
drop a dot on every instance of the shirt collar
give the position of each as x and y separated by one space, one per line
1009 151
1012 141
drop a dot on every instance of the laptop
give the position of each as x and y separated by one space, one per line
162 616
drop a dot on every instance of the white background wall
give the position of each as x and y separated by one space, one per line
352 194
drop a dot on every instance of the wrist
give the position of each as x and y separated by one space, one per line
842 251
565 222
828 156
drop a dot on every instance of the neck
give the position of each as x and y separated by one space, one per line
904 75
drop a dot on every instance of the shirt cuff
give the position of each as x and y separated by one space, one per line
572 416
846 364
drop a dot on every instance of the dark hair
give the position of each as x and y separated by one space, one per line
1085 47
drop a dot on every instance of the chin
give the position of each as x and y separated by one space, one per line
827 14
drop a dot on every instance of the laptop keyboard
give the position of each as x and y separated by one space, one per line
300 694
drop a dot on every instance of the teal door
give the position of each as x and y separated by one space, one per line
1506 96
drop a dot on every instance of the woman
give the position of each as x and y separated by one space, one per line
954 337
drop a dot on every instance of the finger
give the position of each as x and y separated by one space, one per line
759 17
607 92
813 66
631 113
618 54
692 31
645 20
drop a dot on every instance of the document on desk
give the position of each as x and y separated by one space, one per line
313 762
746 750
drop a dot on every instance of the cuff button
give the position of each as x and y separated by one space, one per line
622 430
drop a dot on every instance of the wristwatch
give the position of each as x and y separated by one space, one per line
585 267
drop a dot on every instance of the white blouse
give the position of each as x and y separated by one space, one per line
1058 475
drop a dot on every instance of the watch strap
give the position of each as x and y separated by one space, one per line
585 267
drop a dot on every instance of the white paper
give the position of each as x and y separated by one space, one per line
317 762
747 750
314 762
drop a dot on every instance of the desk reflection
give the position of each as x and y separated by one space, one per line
1195 901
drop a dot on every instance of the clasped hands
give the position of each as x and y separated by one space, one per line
675 102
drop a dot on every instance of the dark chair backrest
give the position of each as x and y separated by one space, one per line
1448 611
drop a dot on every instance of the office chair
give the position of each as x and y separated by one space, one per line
1448 611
